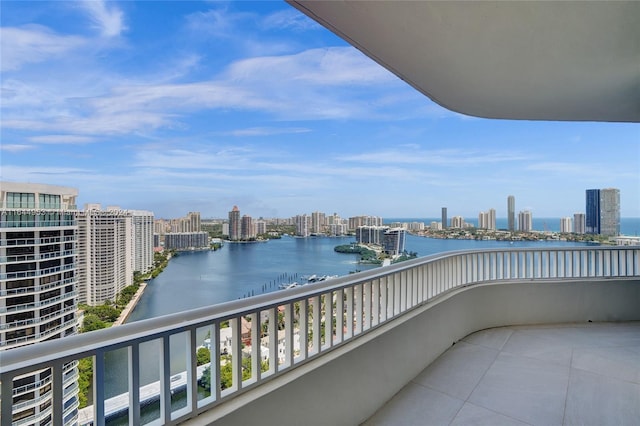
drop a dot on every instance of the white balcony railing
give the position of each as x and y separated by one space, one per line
326 316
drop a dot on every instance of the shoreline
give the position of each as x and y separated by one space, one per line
131 305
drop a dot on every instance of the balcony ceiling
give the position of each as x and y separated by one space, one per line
576 61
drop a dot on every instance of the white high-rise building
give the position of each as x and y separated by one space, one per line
525 221
610 211
142 240
105 261
302 225
487 220
318 222
457 222
38 295
565 225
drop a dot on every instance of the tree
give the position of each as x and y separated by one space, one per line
92 322
203 356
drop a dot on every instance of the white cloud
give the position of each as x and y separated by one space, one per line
61 139
32 44
107 19
15 147
268 131
412 154
290 20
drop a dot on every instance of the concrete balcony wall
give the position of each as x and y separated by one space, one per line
347 385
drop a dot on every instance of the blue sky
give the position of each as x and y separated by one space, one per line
199 106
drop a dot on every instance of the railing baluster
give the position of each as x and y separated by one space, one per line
303 321
375 301
256 347
339 313
134 383
215 362
165 379
316 325
357 295
57 389
272 331
348 293
98 388
366 289
289 343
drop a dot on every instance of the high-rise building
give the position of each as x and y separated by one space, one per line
318 220
371 234
247 229
261 227
525 221
511 213
579 223
356 221
186 240
457 222
565 225
592 219
142 241
105 253
487 220
193 219
393 243
38 295
610 212
603 211
302 225
444 218
234 224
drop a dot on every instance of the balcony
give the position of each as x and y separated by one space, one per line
368 336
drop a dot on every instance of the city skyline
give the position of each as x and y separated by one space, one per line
252 103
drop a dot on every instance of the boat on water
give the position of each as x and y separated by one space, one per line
311 279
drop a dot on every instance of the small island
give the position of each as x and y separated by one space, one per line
371 256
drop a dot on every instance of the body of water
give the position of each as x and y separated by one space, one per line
204 278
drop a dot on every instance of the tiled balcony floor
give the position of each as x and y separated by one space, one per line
565 374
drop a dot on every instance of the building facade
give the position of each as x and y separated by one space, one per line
610 212
487 220
565 225
603 212
511 213
525 221
186 240
143 241
592 209
579 223
247 228
302 223
371 234
38 295
444 218
393 242
105 253
457 222
234 224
